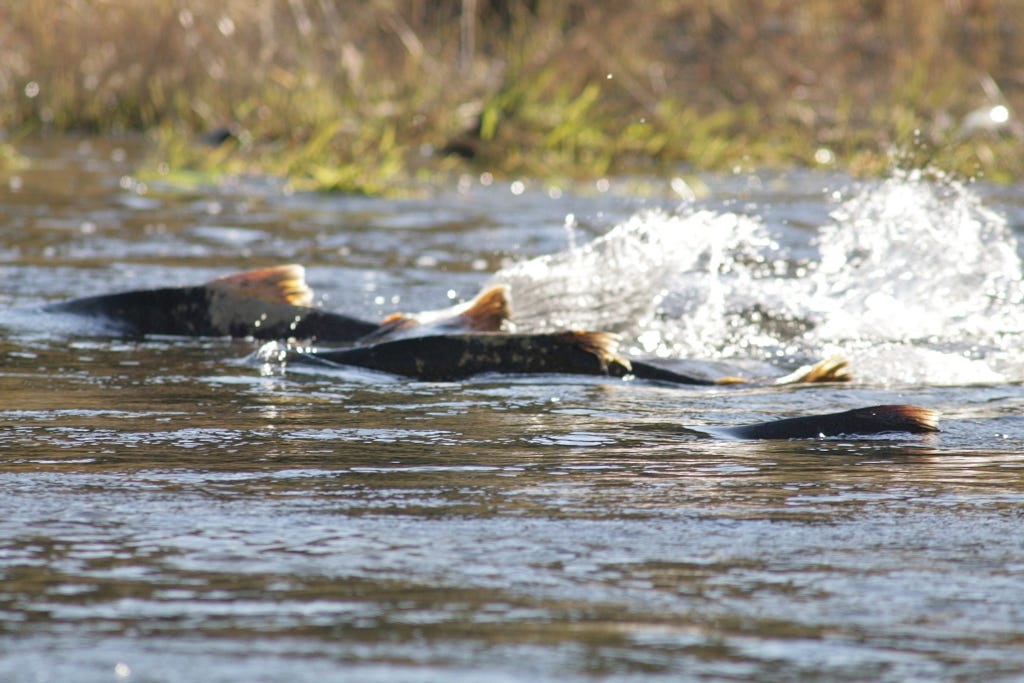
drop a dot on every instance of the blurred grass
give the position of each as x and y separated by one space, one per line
368 96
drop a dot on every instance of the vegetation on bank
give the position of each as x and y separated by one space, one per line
368 95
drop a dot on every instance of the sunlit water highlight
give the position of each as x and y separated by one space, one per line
916 280
171 509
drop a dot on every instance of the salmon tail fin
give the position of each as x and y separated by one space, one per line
605 347
393 323
858 422
899 418
277 284
489 311
833 369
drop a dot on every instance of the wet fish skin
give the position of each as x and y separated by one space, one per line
451 357
202 311
457 356
857 422
649 371
271 303
167 310
833 369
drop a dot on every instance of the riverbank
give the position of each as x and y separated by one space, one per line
367 97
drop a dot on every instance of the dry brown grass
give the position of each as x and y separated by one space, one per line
354 95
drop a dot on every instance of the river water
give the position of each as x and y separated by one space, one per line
175 509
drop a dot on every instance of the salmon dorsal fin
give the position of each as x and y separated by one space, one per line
277 284
834 369
854 423
489 310
605 346
397 321
900 418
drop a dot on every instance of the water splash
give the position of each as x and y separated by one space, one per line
619 281
914 260
914 279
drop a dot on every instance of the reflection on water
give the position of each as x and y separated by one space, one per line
169 512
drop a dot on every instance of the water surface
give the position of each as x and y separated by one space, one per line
172 509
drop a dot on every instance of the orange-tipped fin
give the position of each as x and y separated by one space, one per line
884 419
605 347
833 369
488 311
277 284
900 418
398 321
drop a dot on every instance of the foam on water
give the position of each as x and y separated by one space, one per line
914 279
619 282
915 260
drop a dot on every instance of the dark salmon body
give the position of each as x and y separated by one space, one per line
458 356
269 303
274 304
202 312
860 421
452 357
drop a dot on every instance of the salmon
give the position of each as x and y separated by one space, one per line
488 312
458 356
450 357
269 303
833 369
449 344
873 420
275 303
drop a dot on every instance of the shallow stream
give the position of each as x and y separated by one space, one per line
174 509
